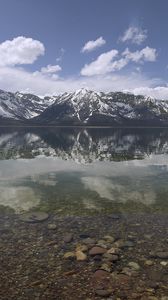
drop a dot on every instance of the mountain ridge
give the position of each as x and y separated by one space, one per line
83 107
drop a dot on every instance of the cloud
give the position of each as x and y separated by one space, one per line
146 54
158 92
92 45
13 79
134 35
105 62
20 50
50 69
102 65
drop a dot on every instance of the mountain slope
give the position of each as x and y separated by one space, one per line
83 107
18 106
97 108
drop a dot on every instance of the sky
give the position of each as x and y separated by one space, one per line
55 46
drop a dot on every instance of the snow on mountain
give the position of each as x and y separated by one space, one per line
90 107
83 107
20 106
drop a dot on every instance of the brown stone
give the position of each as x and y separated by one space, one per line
68 237
97 251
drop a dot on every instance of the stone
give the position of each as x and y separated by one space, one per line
101 274
84 236
159 254
89 241
109 238
164 263
51 226
102 244
34 217
97 258
149 263
113 250
69 255
68 238
128 244
80 256
128 271
106 267
82 248
97 251
110 257
103 293
133 265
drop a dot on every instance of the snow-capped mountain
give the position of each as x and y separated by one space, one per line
98 108
84 107
20 106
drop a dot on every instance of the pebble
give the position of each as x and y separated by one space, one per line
68 238
103 293
100 274
89 241
160 254
34 217
164 263
84 236
69 255
109 238
113 251
110 257
51 226
149 263
128 244
97 251
82 248
134 265
80 256
106 267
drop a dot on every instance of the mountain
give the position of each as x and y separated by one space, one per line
19 106
84 107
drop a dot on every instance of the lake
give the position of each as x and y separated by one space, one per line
88 183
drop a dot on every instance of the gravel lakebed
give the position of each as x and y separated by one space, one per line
116 257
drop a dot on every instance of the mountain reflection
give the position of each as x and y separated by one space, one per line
83 145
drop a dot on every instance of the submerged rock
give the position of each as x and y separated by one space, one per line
159 254
69 255
34 217
51 226
102 293
133 265
80 256
68 238
97 251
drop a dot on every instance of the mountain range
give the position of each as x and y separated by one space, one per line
83 108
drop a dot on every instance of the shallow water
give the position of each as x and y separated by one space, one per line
91 183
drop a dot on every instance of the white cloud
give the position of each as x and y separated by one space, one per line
105 62
20 50
135 35
146 54
13 79
158 92
102 65
92 45
50 69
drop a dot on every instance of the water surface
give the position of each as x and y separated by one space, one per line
84 171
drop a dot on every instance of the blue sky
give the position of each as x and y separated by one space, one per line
49 47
